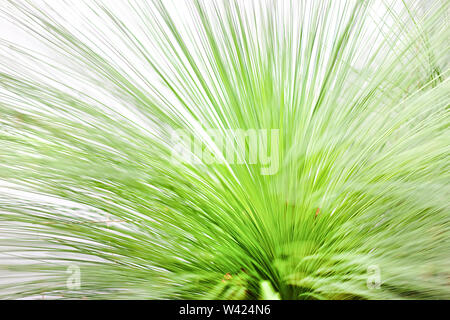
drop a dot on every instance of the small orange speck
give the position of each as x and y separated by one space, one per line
317 212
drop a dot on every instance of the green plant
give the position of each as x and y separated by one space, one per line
360 97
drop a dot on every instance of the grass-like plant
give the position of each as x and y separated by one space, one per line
90 185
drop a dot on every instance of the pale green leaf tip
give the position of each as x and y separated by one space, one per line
268 292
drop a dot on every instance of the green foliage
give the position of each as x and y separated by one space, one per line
88 177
